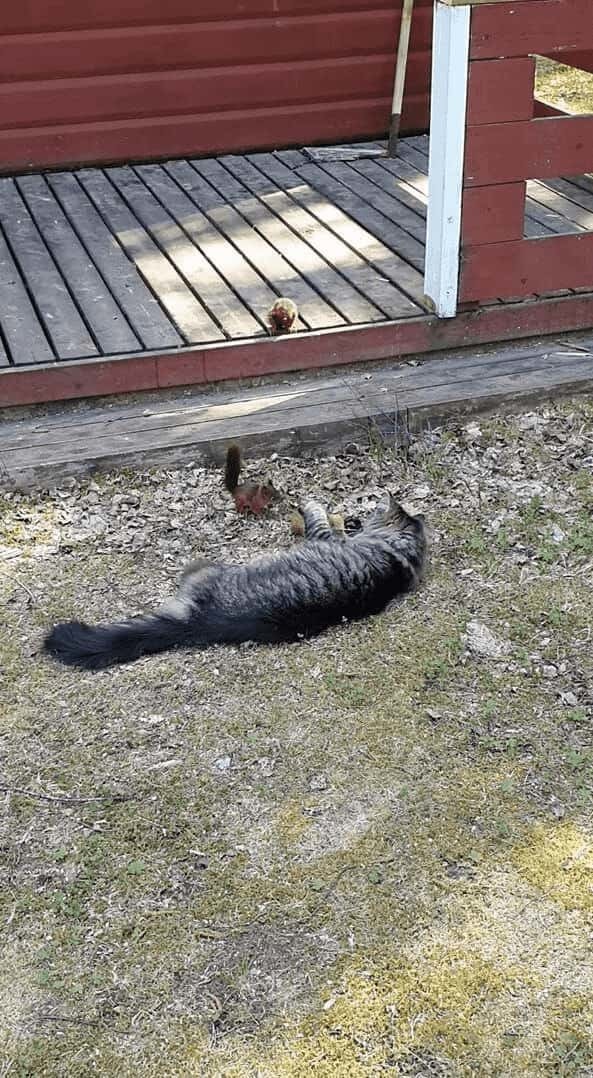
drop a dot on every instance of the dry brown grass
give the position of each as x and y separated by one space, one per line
568 88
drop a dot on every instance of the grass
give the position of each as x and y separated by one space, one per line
568 88
369 854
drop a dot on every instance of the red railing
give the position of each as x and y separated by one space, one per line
506 145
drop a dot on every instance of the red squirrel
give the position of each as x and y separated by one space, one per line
282 317
251 497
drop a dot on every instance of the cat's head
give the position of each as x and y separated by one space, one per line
390 515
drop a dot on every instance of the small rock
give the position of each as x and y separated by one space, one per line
531 421
480 640
267 766
558 536
223 763
550 671
473 432
568 699
318 782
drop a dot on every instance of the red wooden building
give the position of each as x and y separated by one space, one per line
506 218
143 79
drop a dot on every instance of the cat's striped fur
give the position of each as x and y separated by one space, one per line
298 593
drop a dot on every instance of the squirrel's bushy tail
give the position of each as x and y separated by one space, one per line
232 468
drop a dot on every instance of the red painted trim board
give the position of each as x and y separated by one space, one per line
90 378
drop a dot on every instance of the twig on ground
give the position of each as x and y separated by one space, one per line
19 583
18 790
74 1020
67 1018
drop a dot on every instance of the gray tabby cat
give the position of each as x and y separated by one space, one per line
282 597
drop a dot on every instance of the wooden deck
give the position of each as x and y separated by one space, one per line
131 277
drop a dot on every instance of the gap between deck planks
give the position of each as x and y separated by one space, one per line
327 412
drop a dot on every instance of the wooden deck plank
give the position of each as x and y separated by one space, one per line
400 241
390 181
101 312
532 229
566 199
52 436
190 263
407 281
233 268
411 164
178 300
345 258
552 218
271 396
389 205
221 303
283 277
418 142
291 427
291 158
319 273
49 433
22 331
56 308
415 153
206 235
270 393
140 306
585 182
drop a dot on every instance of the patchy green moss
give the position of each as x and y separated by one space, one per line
558 860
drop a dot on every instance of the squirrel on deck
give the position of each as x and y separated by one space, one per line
250 497
282 317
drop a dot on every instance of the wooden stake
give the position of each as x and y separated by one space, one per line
399 83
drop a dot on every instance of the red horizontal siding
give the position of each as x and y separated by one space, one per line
127 49
84 83
34 15
178 136
75 101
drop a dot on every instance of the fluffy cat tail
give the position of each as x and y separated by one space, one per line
94 647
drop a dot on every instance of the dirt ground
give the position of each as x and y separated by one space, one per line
369 854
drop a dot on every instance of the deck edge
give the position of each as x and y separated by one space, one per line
228 361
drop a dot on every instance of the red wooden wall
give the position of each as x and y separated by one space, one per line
506 146
84 81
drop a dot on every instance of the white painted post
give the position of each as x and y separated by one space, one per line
450 59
